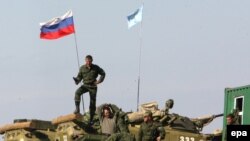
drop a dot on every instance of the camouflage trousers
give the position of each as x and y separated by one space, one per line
92 94
123 136
93 137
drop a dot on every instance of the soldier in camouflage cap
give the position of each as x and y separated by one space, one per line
150 130
88 74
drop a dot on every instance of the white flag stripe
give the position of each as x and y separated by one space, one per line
57 19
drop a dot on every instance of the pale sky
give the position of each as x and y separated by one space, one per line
191 51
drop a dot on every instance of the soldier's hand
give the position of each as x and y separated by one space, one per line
97 82
76 80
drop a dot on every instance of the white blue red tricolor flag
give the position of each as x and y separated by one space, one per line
58 27
135 17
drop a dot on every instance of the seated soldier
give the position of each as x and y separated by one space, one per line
107 120
150 130
112 123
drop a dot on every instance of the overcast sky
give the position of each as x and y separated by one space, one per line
191 51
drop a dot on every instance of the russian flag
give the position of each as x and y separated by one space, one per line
58 27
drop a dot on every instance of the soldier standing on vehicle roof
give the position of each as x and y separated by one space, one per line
150 130
88 74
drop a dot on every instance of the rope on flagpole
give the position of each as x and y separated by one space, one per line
79 68
139 74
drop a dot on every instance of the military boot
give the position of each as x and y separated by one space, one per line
77 110
91 122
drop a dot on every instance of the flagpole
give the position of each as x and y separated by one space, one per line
76 51
78 68
139 73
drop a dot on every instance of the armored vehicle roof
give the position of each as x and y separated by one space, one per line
27 124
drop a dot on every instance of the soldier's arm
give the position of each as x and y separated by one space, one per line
102 74
79 77
99 111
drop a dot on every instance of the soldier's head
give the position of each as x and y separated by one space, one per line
147 116
106 112
88 60
169 104
230 119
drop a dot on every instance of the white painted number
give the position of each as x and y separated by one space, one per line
182 138
65 138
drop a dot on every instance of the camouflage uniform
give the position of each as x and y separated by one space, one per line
121 132
235 121
123 136
150 130
117 118
88 76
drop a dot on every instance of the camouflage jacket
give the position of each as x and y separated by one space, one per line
150 131
88 76
118 116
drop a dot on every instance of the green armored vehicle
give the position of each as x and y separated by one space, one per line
177 128
76 127
28 130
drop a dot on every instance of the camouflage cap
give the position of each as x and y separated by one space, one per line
147 113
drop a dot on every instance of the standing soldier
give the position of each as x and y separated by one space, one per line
88 74
150 130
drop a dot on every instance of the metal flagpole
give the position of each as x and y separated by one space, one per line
139 75
79 68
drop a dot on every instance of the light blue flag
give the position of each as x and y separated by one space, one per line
135 18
